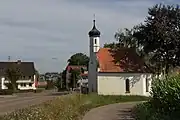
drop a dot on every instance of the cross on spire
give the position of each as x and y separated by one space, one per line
94 31
94 20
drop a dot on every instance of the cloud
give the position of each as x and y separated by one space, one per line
39 30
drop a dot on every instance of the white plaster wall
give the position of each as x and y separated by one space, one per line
2 83
114 83
92 76
95 45
27 87
92 72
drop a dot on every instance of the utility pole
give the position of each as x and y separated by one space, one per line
9 58
80 79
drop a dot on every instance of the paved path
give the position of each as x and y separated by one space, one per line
120 111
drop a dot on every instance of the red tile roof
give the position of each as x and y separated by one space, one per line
75 67
127 60
84 74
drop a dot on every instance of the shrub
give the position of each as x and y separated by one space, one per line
146 111
166 94
164 103
38 90
6 92
50 85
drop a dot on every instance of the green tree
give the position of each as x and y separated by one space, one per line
74 77
37 74
110 45
63 75
126 39
160 37
13 74
78 59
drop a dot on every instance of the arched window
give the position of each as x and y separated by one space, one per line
127 86
147 85
95 41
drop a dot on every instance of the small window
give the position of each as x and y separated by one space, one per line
95 41
127 86
147 85
30 84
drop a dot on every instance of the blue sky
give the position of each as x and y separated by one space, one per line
39 30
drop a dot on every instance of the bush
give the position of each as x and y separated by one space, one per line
68 107
146 111
6 92
38 90
164 103
25 91
50 85
166 94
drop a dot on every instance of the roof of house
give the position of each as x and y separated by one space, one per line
84 74
75 67
125 60
26 68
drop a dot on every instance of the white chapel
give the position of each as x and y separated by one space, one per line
129 76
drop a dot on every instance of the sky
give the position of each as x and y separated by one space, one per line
48 32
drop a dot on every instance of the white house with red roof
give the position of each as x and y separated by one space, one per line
129 75
118 73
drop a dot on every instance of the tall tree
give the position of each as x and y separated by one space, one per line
13 73
37 74
125 38
74 77
160 36
78 59
64 78
110 45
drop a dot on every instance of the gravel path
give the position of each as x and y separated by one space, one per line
120 111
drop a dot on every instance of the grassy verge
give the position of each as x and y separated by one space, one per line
68 107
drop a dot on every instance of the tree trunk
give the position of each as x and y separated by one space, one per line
74 81
14 87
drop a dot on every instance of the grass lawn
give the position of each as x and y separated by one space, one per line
67 107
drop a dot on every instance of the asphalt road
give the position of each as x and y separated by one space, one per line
11 103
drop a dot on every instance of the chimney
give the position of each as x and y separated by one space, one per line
18 61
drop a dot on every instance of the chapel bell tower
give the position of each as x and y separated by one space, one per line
94 46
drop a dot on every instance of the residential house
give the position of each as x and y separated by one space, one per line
82 68
51 76
28 78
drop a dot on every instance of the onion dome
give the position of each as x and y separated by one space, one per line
94 32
